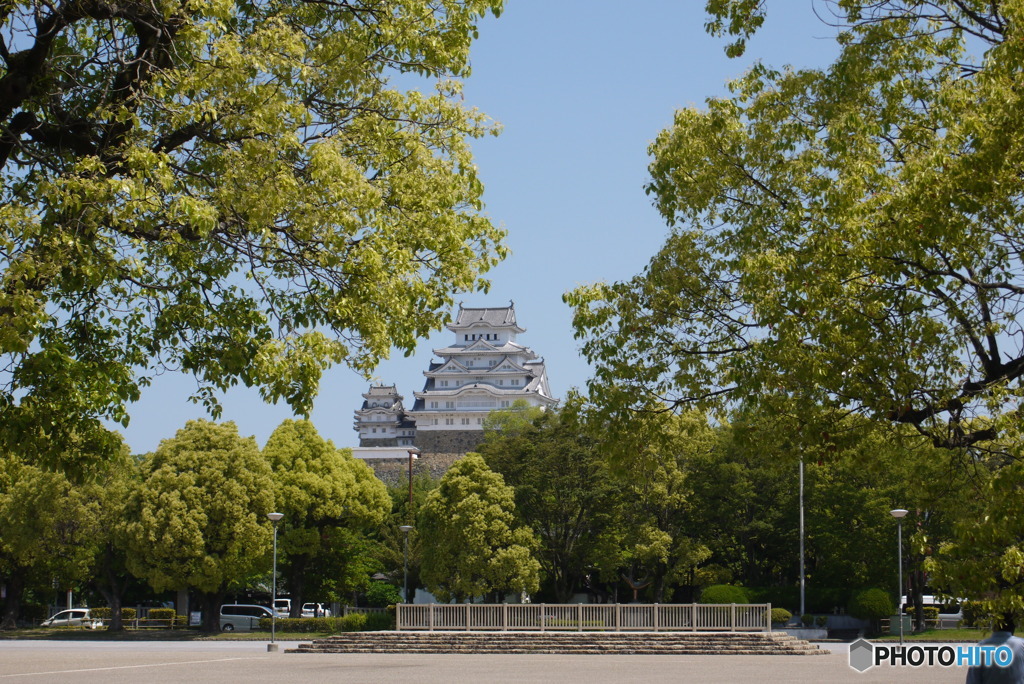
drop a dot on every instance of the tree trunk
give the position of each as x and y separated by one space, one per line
297 583
210 603
113 586
15 583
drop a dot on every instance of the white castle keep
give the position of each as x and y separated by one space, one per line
485 369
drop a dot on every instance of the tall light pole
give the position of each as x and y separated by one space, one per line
274 518
407 529
898 514
802 608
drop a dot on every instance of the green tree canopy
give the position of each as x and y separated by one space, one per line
319 489
563 488
51 532
472 544
241 191
848 236
199 518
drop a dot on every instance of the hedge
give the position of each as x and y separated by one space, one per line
103 613
781 616
724 593
353 622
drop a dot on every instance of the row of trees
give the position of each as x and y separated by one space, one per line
193 515
551 506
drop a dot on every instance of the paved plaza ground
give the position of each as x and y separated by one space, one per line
198 662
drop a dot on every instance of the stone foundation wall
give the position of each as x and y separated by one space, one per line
393 471
448 441
379 442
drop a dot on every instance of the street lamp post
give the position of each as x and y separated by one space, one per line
407 529
274 518
802 572
898 514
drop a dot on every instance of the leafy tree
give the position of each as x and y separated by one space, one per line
235 190
199 518
984 558
852 233
563 488
319 489
656 540
471 541
50 534
110 575
846 237
391 547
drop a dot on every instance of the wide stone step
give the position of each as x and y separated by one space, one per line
636 643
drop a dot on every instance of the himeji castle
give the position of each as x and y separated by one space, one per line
484 369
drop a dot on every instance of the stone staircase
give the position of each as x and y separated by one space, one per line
571 643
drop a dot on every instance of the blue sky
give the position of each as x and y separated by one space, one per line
581 88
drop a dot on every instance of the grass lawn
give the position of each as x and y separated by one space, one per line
961 634
72 634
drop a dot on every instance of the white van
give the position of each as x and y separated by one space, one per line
241 617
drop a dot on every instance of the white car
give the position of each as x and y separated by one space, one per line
315 610
74 617
283 607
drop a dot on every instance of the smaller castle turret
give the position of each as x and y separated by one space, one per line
381 421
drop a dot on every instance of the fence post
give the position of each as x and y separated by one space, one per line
618 616
732 618
468 606
654 618
693 617
504 617
398 616
430 616
579 617
542 617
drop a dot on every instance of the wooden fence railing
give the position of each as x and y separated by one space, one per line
651 617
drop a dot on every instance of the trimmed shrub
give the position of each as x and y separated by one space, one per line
328 625
381 594
103 613
807 619
781 616
353 622
871 605
930 612
724 593
379 622
974 615
821 620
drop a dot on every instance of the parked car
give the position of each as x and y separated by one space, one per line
242 617
315 610
74 617
283 607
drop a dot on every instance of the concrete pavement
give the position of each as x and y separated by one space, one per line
198 662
